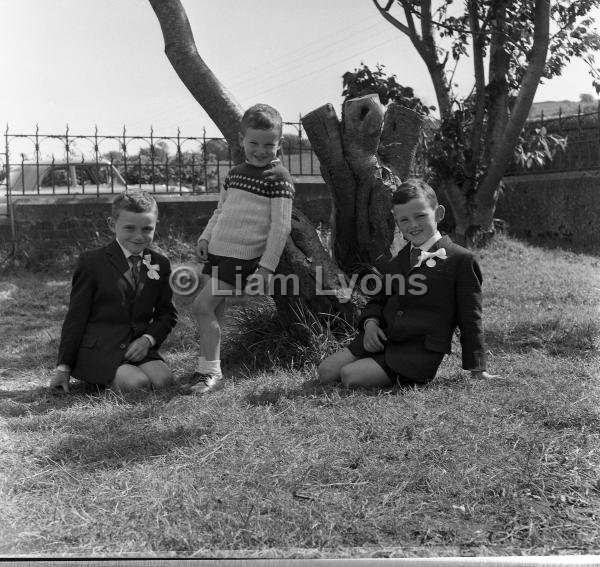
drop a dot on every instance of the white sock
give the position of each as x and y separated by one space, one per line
209 366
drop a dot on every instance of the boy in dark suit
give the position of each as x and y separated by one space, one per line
431 287
121 307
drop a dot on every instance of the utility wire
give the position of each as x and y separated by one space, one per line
272 73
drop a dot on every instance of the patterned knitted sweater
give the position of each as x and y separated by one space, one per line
253 217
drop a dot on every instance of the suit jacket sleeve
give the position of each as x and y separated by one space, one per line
374 308
469 312
165 313
83 288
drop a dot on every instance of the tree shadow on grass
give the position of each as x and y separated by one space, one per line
326 394
105 430
41 400
122 444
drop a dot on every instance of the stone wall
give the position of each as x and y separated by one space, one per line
47 226
562 209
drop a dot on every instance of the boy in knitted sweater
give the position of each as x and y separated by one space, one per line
245 235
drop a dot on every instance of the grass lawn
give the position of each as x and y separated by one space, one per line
276 466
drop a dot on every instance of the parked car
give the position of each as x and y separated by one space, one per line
76 178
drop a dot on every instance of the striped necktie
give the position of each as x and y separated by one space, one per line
135 270
415 253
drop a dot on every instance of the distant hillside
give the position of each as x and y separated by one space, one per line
551 108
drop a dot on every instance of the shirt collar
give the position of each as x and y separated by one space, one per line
126 252
429 243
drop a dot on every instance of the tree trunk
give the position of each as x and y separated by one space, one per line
361 160
400 138
324 132
304 254
202 83
361 191
473 203
457 200
361 131
487 192
466 210
322 285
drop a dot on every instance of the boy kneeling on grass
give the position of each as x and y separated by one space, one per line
121 307
405 331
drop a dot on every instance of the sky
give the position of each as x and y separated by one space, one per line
101 63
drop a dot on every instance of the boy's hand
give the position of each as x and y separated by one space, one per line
138 349
374 337
202 250
60 380
483 375
260 279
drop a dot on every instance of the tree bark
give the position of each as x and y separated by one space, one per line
487 193
323 286
324 132
361 161
202 83
361 132
479 95
400 138
457 200
497 88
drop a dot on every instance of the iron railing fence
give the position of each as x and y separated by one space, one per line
582 152
68 164
96 164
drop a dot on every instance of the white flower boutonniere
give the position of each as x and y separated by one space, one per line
152 268
429 257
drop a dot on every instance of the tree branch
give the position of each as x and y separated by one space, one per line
181 51
479 115
386 14
487 192
498 68
427 49
411 22
426 21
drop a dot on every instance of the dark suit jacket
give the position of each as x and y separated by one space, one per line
428 306
105 313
